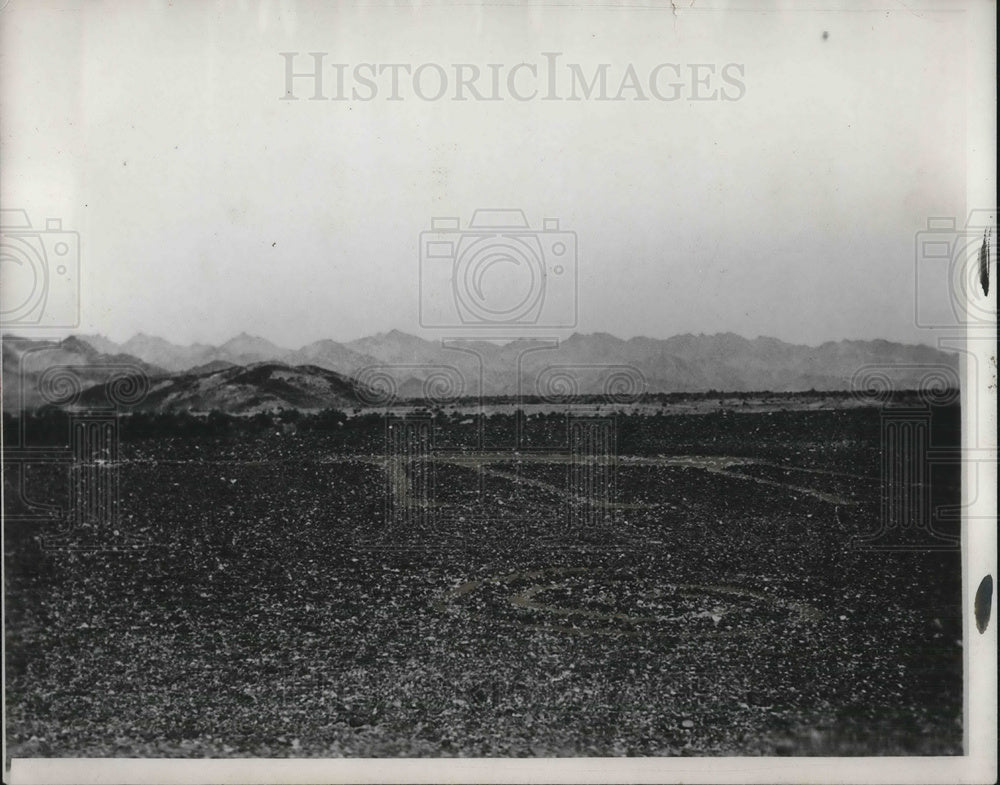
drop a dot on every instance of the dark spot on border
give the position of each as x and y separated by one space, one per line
984 263
984 603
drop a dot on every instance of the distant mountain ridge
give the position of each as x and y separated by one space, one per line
73 374
238 389
409 366
39 372
249 374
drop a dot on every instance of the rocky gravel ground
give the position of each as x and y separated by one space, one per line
274 596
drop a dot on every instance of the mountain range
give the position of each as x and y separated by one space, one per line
249 373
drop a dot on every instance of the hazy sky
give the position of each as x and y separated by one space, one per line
207 206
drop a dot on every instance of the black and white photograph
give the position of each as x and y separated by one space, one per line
437 391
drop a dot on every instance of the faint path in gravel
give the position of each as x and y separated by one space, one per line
722 465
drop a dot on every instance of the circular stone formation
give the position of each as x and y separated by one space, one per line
586 601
